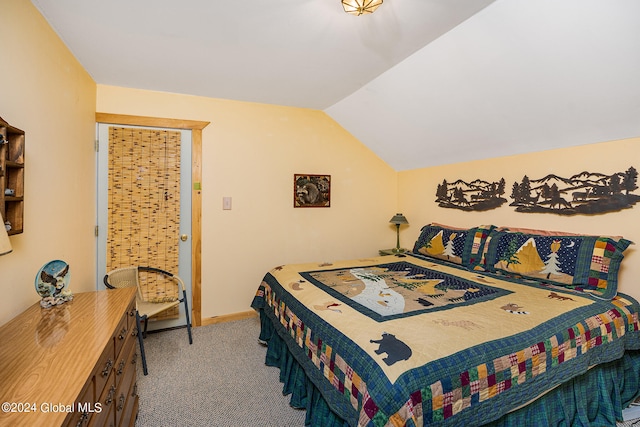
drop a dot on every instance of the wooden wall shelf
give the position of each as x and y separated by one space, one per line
12 176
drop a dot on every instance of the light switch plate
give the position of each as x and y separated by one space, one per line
226 203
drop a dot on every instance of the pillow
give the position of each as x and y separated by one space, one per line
460 246
545 232
478 246
481 258
584 263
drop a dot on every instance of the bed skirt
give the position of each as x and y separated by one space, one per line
594 398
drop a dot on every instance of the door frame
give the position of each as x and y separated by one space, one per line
196 191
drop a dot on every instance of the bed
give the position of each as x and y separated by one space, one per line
479 326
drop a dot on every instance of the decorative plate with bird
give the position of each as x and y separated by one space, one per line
53 278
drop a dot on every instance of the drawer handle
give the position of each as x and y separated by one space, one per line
121 366
84 417
134 359
134 390
132 312
134 332
112 391
123 334
121 402
107 368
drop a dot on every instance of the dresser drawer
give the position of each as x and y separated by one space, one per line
122 333
131 315
127 379
131 407
85 406
129 376
106 417
122 363
104 367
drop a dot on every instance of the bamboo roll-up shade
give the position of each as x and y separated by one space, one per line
144 205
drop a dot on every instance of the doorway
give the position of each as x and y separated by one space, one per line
149 206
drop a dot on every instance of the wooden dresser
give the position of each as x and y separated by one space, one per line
71 365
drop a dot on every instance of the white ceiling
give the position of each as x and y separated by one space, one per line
420 82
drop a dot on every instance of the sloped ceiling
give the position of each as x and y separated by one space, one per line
517 77
420 82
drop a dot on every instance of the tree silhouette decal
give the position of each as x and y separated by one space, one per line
477 195
585 193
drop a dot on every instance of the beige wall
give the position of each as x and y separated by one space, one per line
46 93
250 153
417 196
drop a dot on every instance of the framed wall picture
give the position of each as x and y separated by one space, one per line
311 191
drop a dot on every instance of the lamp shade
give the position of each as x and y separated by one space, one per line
398 219
358 7
5 244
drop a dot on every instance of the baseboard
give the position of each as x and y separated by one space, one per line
229 317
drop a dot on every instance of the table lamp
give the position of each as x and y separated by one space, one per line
5 244
397 220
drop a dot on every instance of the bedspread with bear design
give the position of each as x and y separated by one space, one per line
409 341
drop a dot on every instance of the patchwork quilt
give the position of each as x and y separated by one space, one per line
416 341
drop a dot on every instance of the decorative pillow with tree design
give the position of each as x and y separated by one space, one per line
461 246
583 263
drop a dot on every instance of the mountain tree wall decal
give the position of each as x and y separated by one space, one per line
586 193
477 195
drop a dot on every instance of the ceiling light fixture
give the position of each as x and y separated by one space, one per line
358 7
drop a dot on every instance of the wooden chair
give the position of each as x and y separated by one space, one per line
129 277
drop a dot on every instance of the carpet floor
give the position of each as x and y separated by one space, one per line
219 380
